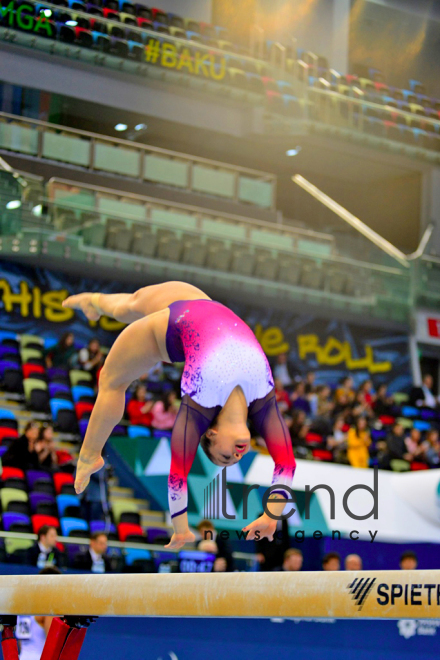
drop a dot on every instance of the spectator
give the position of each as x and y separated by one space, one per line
432 448
292 561
63 354
298 432
139 408
31 631
353 563
220 564
366 390
331 562
281 370
208 532
358 441
337 442
94 559
282 396
416 446
45 448
383 404
361 405
395 447
408 561
299 399
270 554
324 408
165 412
45 553
91 358
344 392
422 396
310 383
22 451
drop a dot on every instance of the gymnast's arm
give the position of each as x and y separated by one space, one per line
191 423
269 423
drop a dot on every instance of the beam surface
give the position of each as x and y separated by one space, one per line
341 594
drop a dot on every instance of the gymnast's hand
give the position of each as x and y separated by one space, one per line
263 527
179 540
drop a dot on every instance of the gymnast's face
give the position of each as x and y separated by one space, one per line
228 443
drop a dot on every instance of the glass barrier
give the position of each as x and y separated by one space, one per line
138 161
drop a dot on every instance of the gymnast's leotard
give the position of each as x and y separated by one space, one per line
220 352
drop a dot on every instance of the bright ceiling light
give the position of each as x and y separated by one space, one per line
293 152
37 210
13 204
140 127
121 127
47 12
71 23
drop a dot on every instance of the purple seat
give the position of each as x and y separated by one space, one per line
119 430
36 475
102 526
3 450
57 372
83 423
9 351
8 364
11 518
154 532
36 498
58 388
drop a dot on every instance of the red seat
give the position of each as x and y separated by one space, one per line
7 433
387 420
129 529
12 473
322 454
314 439
60 479
82 408
39 520
63 457
29 369
415 465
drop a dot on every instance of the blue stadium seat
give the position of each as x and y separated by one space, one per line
79 391
59 404
64 501
133 554
410 411
69 525
421 426
6 414
139 432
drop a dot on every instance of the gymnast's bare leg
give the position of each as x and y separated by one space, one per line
137 349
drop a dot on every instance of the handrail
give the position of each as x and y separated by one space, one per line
138 145
27 536
195 209
375 106
157 35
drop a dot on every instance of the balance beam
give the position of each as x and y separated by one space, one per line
339 594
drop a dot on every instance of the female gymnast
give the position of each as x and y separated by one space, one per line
226 381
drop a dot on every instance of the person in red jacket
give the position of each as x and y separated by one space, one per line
139 408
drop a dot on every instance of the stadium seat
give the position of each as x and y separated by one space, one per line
69 506
36 394
399 465
78 377
82 409
103 526
139 560
36 499
421 425
15 547
122 505
7 433
138 432
11 376
38 480
8 495
80 391
32 370
8 419
128 531
62 479
30 353
16 522
59 390
39 520
74 527
12 473
9 353
157 535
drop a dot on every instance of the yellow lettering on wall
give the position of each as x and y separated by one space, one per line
185 61
271 340
335 352
36 303
220 74
24 298
169 56
53 310
308 344
201 64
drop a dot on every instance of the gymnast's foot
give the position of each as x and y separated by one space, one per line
179 540
83 301
85 468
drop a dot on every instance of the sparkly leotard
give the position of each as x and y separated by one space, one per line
220 352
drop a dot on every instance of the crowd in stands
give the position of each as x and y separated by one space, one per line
361 426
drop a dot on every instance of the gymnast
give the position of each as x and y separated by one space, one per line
226 381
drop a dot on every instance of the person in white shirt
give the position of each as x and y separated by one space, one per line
94 558
31 631
281 370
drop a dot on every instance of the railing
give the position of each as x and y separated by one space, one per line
104 154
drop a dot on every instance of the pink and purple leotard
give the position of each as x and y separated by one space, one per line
220 352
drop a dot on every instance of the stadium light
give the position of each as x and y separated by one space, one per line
121 127
13 204
140 127
293 152
351 219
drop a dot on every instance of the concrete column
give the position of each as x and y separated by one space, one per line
341 34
